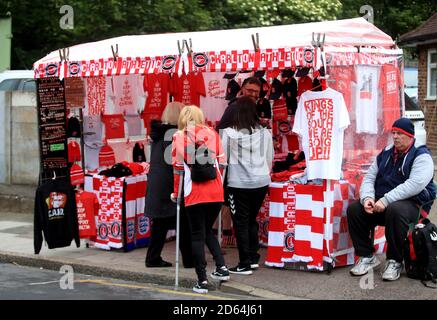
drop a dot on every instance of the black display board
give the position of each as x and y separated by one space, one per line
52 120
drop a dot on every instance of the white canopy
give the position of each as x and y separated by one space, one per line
349 32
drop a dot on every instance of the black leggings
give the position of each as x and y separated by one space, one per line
201 218
245 205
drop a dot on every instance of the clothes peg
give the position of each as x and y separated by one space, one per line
181 48
189 47
115 52
255 41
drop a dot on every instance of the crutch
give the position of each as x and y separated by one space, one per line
178 213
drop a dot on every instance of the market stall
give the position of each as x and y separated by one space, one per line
122 83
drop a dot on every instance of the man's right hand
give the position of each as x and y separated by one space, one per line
369 205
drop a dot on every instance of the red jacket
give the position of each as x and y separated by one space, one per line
182 153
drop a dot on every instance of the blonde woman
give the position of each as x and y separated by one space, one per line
203 199
158 205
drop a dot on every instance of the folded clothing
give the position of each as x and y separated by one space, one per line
292 159
118 170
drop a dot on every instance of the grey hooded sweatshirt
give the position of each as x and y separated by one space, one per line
249 157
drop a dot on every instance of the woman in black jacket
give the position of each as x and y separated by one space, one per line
158 205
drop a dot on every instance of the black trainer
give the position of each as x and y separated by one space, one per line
221 273
203 287
241 270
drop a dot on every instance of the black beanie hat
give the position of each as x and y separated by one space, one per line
275 90
405 126
232 90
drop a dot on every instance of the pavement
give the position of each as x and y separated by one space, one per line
16 246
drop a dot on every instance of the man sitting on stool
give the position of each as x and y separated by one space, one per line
397 183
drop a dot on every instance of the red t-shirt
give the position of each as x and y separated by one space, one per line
157 87
188 88
389 84
87 210
148 117
343 76
114 125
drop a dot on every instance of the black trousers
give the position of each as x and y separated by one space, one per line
201 218
396 219
245 205
159 229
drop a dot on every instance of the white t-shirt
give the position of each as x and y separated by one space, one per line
214 104
320 120
99 96
123 148
366 106
127 91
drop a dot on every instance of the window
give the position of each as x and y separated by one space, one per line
432 74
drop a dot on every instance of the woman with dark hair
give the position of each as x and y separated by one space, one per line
249 149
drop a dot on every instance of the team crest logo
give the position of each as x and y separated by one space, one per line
308 55
284 127
74 68
130 230
115 229
200 60
289 241
143 225
168 63
103 231
51 69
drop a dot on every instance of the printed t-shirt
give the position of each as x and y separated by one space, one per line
343 76
188 88
147 118
99 95
213 104
87 210
92 156
123 148
114 126
157 87
389 83
92 130
127 91
366 106
321 118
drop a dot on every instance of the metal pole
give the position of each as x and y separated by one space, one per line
220 228
178 212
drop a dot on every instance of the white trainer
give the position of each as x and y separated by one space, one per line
392 270
363 265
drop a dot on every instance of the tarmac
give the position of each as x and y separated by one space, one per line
16 247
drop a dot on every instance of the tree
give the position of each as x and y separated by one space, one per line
251 13
394 17
36 24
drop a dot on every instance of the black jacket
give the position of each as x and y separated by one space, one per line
55 215
227 119
160 177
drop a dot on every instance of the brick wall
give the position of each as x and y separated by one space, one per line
429 107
